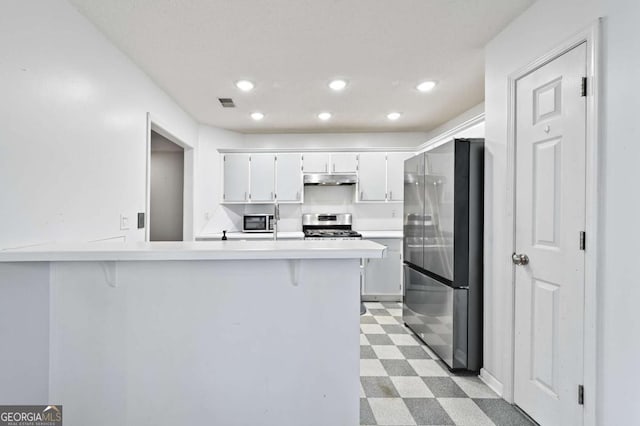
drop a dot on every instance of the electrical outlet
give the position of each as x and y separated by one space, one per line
124 222
393 213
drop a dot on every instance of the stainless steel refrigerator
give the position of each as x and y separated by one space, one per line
443 223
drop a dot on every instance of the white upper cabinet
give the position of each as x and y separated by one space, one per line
344 162
236 178
288 178
269 177
263 177
316 162
372 179
395 175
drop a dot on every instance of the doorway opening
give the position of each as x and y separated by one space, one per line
166 189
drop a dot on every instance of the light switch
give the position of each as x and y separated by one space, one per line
124 222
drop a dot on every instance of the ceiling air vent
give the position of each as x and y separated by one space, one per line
226 102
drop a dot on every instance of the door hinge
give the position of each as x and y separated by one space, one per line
583 237
580 395
583 88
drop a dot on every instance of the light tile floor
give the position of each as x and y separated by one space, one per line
404 383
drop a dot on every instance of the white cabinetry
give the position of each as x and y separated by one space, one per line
344 162
269 177
289 178
316 162
236 178
383 277
372 180
395 175
263 177
324 162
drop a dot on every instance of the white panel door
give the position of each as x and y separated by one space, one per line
263 177
315 162
550 214
372 176
289 177
395 175
236 177
344 162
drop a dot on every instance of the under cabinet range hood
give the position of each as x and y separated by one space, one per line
330 179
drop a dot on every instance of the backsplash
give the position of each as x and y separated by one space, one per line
317 199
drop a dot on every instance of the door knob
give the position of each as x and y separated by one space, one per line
520 259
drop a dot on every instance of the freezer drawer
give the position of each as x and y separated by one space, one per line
437 313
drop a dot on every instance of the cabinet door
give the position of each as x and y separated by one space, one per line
346 162
236 177
372 180
316 162
263 177
289 178
383 277
395 175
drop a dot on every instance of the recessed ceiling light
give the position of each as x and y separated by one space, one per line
324 116
393 116
426 86
338 85
245 85
257 116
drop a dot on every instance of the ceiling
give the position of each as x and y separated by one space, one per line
197 49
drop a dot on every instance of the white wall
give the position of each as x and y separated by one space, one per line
619 289
469 124
334 140
543 26
72 128
209 214
519 44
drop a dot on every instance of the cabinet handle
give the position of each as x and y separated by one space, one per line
325 167
390 195
361 195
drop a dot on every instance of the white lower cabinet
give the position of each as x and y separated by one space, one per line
382 278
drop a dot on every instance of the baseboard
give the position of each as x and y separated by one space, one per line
491 381
381 298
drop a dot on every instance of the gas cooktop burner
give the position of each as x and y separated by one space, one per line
328 226
335 234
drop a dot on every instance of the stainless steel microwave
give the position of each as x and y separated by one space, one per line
257 223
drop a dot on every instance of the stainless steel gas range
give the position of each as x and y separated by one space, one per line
328 226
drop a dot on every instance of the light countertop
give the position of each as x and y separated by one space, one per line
198 250
236 235
380 234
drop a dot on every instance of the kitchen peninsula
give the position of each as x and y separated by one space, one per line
221 332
